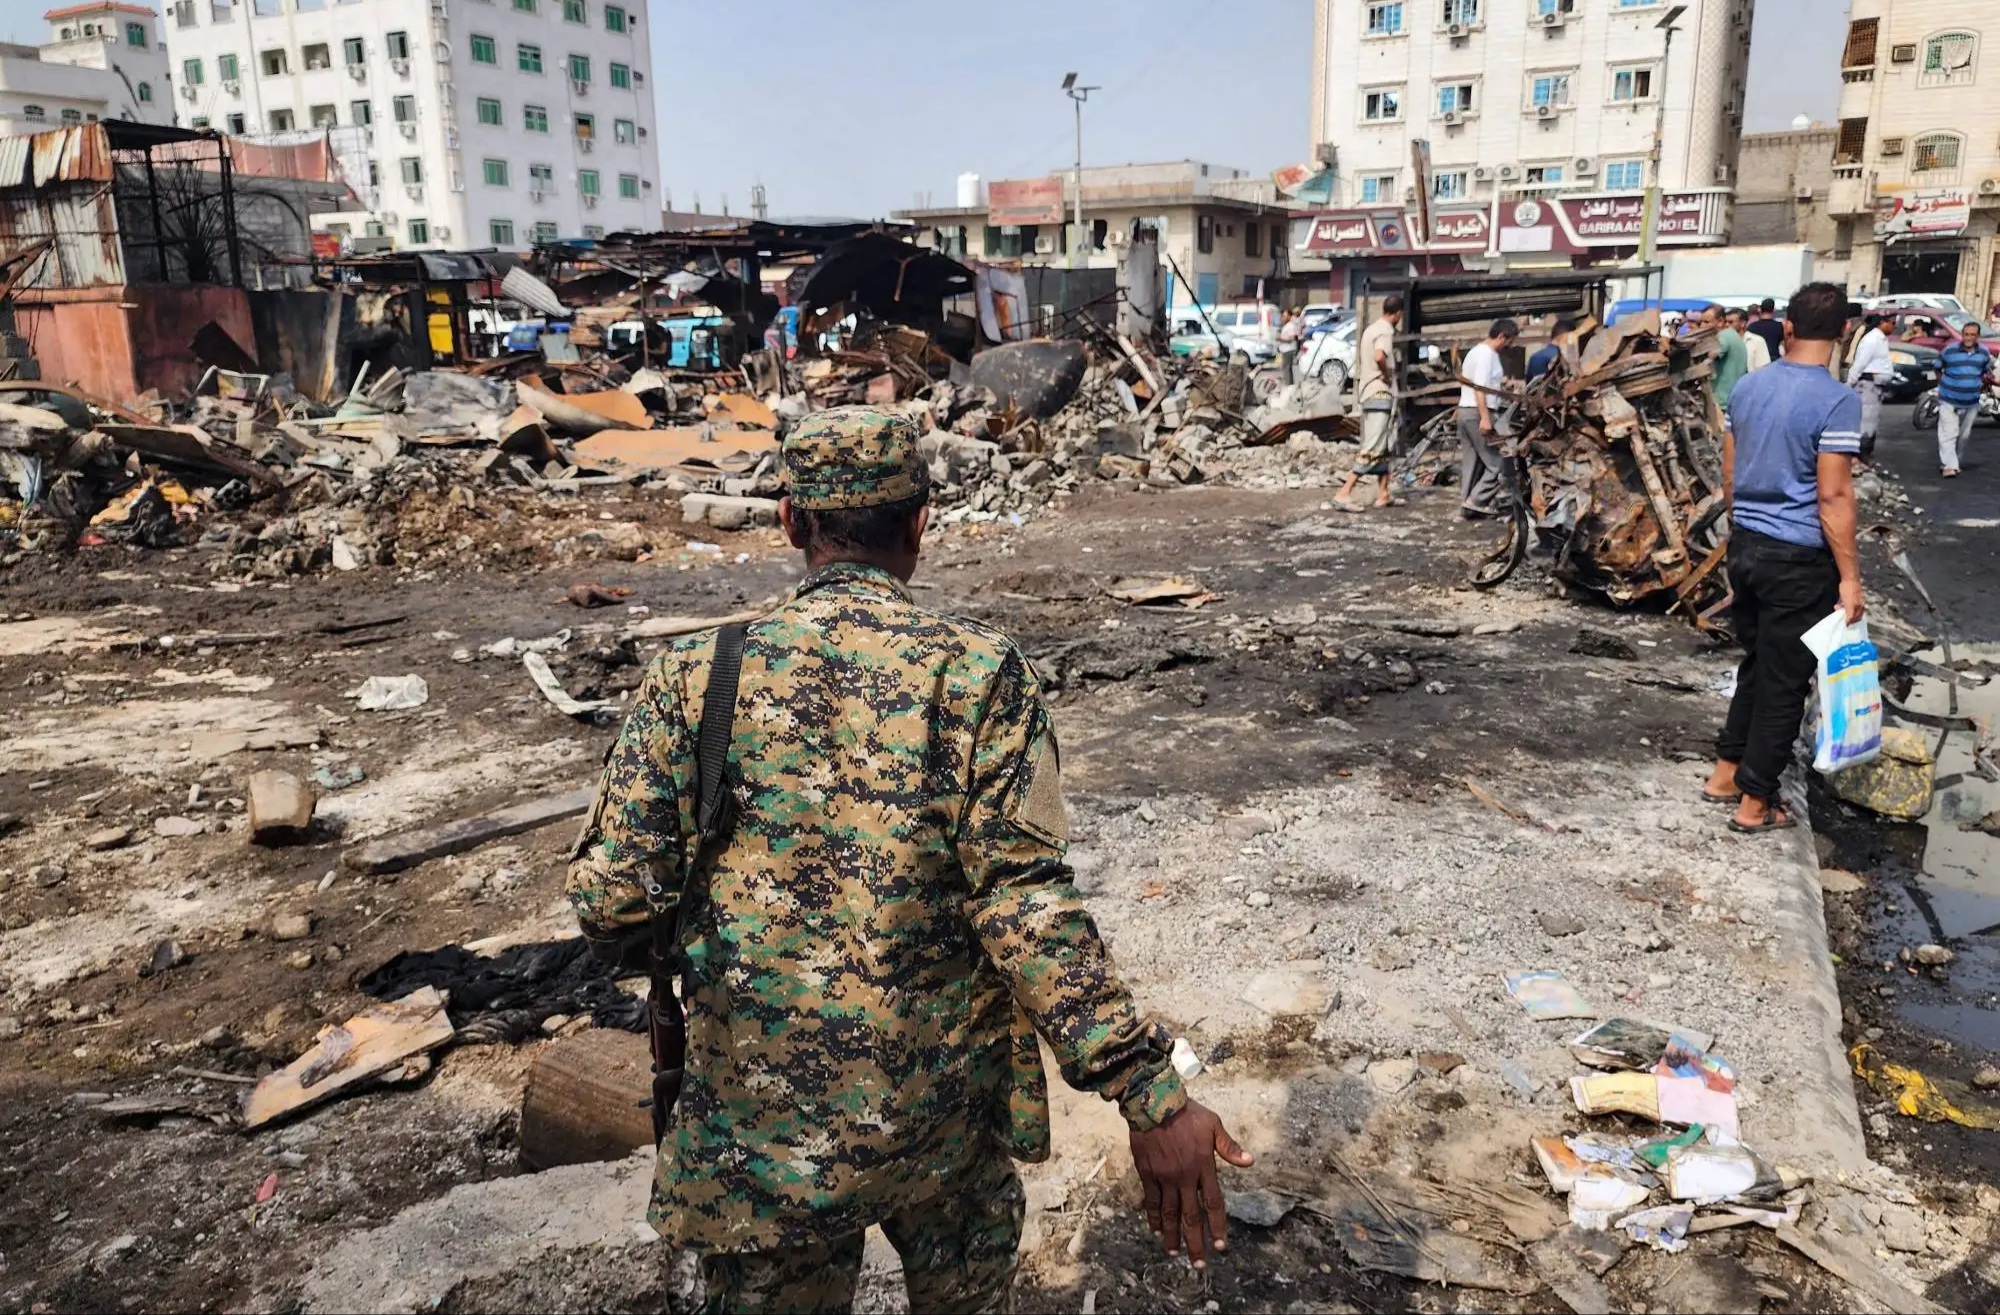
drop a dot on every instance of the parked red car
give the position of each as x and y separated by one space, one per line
1930 327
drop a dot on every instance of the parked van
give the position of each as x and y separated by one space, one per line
1259 320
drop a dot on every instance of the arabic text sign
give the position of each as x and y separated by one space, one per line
1459 230
1025 201
1573 224
1940 212
1357 232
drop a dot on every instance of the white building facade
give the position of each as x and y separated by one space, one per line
101 61
1550 105
468 123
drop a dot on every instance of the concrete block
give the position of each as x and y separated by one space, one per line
724 512
281 808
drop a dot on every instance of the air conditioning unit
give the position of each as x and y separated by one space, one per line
415 190
1456 31
1554 20
1904 53
1327 153
189 91
408 128
233 87
1045 246
1987 187
359 72
1452 118
1805 193
1721 173
590 203
538 193
386 218
1409 196
1545 111
585 144
1892 146
1583 166
442 232
578 87
401 66
1508 171
1480 173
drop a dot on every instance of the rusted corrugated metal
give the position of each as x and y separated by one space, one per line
82 219
15 153
78 154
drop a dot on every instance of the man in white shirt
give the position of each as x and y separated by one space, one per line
1753 342
1375 392
1481 378
1289 335
1867 371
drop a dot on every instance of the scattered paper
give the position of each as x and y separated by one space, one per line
1545 994
1662 1227
393 693
552 690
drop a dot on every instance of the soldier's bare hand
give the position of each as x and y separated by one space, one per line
1183 1199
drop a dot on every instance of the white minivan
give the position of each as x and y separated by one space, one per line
1259 320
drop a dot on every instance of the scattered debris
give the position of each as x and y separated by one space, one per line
376 1040
393 693
592 594
1919 1097
1545 994
1898 783
552 690
399 852
281 808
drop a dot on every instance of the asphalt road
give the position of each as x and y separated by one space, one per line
1957 550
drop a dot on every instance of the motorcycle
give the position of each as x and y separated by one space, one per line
1924 415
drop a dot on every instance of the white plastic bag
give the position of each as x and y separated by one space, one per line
1850 695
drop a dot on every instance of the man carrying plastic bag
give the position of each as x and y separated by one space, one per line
1788 457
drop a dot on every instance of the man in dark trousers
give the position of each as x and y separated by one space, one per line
1788 471
1766 325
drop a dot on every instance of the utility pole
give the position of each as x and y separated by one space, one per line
1649 229
1079 95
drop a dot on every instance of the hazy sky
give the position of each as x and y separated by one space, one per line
858 108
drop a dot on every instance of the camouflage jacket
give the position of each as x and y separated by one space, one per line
872 951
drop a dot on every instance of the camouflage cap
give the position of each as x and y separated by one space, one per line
854 456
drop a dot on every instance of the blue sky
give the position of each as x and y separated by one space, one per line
840 107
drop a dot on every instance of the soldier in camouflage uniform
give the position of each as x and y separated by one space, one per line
874 948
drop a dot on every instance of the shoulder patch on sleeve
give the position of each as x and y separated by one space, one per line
1036 804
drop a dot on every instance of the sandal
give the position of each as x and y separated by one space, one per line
1949 472
1708 798
1775 820
1353 507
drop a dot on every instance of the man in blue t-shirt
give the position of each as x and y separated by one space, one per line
1788 472
1964 368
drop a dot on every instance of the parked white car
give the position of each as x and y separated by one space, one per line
1330 356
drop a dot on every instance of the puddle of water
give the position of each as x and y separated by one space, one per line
1961 869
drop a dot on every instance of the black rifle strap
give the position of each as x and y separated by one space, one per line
718 728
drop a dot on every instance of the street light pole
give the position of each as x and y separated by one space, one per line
1078 95
1649 231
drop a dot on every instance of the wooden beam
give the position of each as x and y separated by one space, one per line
413 847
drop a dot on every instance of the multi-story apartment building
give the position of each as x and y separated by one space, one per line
1916 166
101 61
1539 116
481 122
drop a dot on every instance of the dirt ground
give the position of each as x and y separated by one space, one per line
1317 816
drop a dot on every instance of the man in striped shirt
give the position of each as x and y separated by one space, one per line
1788 472
1964 368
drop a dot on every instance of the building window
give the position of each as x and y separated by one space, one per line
579 68
323 116
1385 20
374 180
226 68
1204 234
1852 143
397 44
144 91
1378 189
360 112
1455 98
500 232
413 170
135 36
1625 175
573 12
420 232
628 187
541 181
484 50
1448 185
545 231
72 116
535 118
1548 8
525 6
495 172
1382 106
1544 175
621 76
585 127
593 231
1549 89
1860 50
614 19
353 52
1637 4
238 125
34 112
1253 241
489 112
1465 13
586 182
198 122
191 73
219 11
275 63
1630 84
280 120
316 56
403 109
1949 59
528 57
624 132
1935 152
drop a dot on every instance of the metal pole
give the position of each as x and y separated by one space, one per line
1649 231
1076 230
